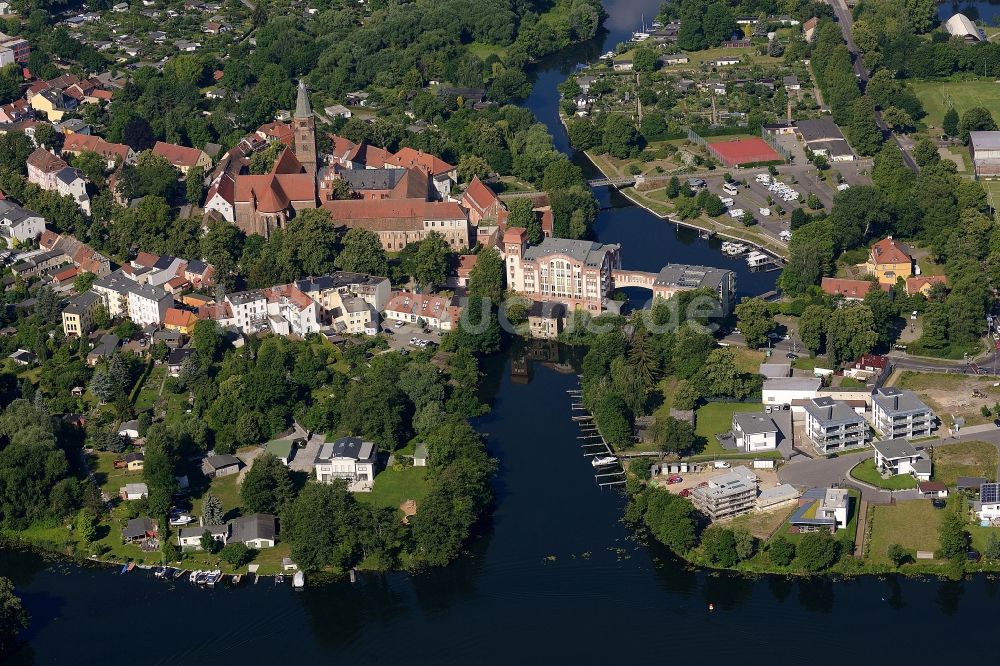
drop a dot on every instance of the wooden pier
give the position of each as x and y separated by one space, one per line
593 443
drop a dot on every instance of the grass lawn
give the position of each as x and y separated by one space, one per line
963 95
748 360
762 525
866 471
851 382
392 487
807 363
711 55
150 389
912 524
227 490
111 479
717 417
177 405
964 459
483 51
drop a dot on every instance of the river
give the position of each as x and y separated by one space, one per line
554 577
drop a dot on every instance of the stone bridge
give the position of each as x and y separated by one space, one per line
623 278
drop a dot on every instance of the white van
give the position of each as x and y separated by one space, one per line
726 201
731 189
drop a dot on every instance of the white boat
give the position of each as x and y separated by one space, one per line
299 580
194 575
213 577
181 519
604 461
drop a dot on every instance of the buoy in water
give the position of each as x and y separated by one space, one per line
711 607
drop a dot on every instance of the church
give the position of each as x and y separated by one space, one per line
263 203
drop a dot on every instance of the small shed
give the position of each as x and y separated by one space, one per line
932 489
282 449
420 455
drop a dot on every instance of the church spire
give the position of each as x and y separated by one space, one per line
302 107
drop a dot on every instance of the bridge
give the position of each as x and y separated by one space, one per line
623 278
624 181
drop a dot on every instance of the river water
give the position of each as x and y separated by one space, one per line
553 578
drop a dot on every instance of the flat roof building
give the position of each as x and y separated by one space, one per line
833 425
901 413
727 495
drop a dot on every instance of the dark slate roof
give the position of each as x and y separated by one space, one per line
254 526
221 461
347 447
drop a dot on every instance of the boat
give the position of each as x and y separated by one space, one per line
279 579
194 575
168 573
604 461
157 572
201 577
125 569
299 580
213 577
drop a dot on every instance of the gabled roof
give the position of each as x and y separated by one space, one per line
45 161
77 143
856 289
179 156
478 196
889 251
408 157
178 317
915 284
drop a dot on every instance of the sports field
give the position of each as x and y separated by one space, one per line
935 96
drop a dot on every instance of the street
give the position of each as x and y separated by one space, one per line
846 21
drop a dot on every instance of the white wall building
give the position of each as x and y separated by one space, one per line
786 390
348 458
755 432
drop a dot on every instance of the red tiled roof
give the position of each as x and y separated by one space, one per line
281 131
392 213
179 156
275 192
146 259
478 196
177 317
408 157
420 305
931 486
289 291
848 288
215 311
915 284
342 147
66 274
78 143
515 235
466 263
287 163
888 251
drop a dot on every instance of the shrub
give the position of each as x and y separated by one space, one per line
236 554
781 551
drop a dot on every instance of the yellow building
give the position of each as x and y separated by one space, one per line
49 103
178 320
889 260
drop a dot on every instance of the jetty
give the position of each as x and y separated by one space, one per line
594 446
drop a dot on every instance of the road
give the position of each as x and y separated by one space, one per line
846 21
825 472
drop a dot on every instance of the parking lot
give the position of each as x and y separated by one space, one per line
791 180
400 335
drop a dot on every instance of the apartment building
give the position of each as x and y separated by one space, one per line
283 309
78 315
124 297
399 222
755 432
900 413
728 495
434 311
575 273
833 425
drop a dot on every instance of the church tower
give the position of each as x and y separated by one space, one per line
304 126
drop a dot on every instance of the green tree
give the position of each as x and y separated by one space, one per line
620 138
432 260
746 544
719 546
897 555
975 119
781 551
850 333
267 486
195 186
362 253
992 550
13 618
755 320
645 59
671 520
673 436
718 23
812 326
817 551
83 282
321 527
211 511
925 152
950 123
487 277
863 131
473 166
86 525
208 542
236 554
898 119
263 161
953 538
207 339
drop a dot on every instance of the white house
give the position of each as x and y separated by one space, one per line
434 311
133 491
755 432
258 530
129 429
786 390
19 225
897 456
283 308
988 506
144 304
348 458
190 537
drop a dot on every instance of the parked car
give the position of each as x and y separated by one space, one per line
685 493
671 480
996 422
938 503
721 464
792 356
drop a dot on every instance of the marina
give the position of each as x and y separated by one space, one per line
608 470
